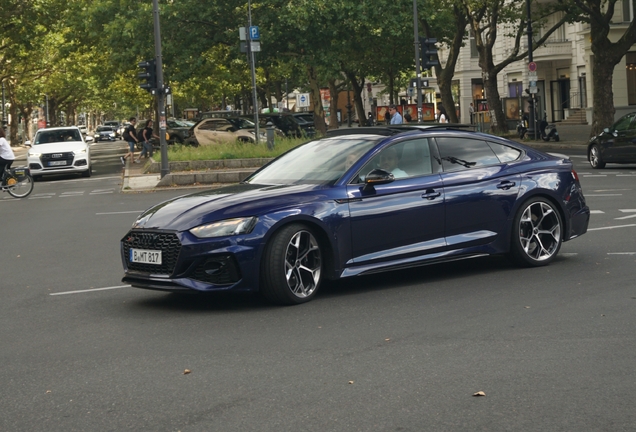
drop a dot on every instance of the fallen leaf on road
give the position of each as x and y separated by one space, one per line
187 371
350 382
479 393
48 391
527 307
387 339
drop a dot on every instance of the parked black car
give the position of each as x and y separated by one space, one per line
178 131
287 122
616 144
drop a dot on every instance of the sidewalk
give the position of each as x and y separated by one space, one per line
137 180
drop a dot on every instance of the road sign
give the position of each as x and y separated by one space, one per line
534 90
242 34
256 46
532 76
254 33
303 100
532 66
410 91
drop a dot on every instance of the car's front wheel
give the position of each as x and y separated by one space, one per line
292 266
537 233
596 160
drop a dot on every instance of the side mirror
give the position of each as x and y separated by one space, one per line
89 138
377 177
606 130
27 143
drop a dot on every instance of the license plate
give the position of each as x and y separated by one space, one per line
57 163
144 256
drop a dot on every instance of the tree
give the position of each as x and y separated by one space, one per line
486 17
607 55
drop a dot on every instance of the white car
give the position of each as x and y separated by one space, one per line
59 150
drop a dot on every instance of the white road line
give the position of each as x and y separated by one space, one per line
124 212
611 227
627 210
621 253
40 197
626 217
90 290
594 175
597 212
568 254
602 195
610 190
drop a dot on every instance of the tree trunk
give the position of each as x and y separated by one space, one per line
603 96
319 112
498 122
13 129
357 97
333 106
447 97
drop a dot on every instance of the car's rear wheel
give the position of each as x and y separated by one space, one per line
537 233
596 160
292 266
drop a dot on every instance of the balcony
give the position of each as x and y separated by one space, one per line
552 50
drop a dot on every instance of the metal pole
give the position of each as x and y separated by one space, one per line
4 108
532 120
46 113
286 95
418 71
165 166
252 68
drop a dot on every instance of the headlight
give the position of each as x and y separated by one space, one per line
112 134
34 154
76 152
226 227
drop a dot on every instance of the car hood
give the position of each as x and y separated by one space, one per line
61 147
186 212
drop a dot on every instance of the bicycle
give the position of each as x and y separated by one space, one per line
17 181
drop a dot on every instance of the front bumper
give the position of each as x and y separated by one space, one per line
190 264
46 165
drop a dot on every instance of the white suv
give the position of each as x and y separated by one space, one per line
59 150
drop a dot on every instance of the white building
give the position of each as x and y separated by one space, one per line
564 73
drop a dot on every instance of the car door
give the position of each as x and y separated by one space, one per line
619 141
480 190
207 131
401 219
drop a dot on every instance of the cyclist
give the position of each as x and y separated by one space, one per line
6 154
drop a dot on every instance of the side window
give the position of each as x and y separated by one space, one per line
461 153
207 125
406 159
623 123
505 153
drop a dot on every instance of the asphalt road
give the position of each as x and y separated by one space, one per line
552 348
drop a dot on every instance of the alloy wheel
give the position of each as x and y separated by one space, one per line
540 231
302 264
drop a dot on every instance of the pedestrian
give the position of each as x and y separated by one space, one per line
442 117
407 118
370 119
396 118
471 111
6 154
131 138
147 135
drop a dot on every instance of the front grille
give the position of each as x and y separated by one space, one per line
167 243
218 270
46 158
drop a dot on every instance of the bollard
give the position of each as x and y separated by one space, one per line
270 136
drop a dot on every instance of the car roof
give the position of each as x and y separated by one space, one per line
58 128
391 130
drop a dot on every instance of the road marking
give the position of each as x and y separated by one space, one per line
90 290
74 193
597 212
101 191
124 212
626 175
602 195
610 190
611 227
621 253
568 254
627 211
594 175
85 179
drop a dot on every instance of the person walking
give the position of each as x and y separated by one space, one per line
131 138
396 118
6 154
147 135
407 118
442 117
471 111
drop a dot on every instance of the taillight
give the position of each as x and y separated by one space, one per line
575 175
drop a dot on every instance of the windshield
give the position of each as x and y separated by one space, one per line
177 123
322 161
55 136
104 129
305 118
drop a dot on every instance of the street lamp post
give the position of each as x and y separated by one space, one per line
418 71
165 167
252 68
532 114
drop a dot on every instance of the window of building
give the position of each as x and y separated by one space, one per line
628 10
515 89
473 45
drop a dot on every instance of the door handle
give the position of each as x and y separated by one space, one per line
505 185
431 194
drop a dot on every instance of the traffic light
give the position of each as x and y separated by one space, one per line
149 74
428 53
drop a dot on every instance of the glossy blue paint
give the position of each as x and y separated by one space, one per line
421 219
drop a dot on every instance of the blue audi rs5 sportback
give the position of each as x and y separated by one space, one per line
360 201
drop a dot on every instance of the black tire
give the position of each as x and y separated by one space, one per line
37 177
537 233
292 266
23 188
596 160
556 138
545 138
87 173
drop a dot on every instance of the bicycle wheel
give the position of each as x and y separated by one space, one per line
22 188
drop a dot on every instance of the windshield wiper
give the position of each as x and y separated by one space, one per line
453 159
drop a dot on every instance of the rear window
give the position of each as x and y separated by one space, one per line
461 153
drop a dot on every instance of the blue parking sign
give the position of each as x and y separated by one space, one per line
254 33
